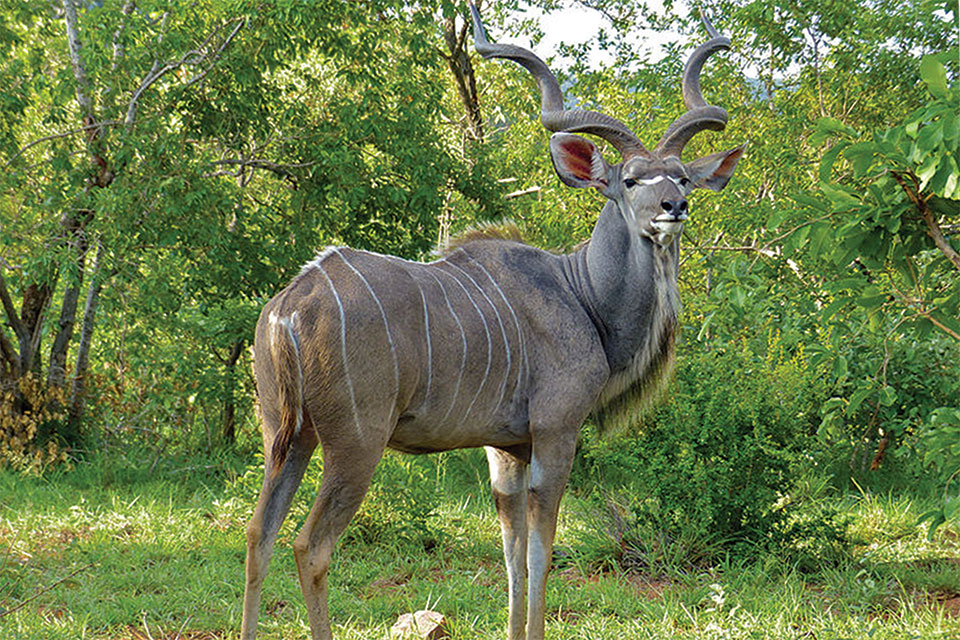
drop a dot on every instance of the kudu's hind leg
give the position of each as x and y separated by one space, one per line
279 487
347 470
508 479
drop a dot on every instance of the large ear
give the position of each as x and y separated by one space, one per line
578 161
714 171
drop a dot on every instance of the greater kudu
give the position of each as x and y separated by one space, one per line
497 344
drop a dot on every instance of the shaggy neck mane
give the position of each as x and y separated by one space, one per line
632 391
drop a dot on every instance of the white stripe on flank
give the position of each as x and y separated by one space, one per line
343 346
426 323
463 338
503 332
516 321
386 325
486 330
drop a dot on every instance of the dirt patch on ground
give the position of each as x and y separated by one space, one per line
649 587
134 633
388 584
645 586
950 602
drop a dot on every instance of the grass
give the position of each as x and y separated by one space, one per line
99 552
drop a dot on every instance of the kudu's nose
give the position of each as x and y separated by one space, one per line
676 208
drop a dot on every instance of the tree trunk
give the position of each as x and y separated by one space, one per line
12 357
229 427
462 69
76 239
75 410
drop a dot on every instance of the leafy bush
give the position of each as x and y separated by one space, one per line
400 503
940 440
883 391
26 412
714 464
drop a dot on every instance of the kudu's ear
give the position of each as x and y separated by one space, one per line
578 161
714 171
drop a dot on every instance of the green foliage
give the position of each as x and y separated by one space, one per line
402 504
876 240
940 440
712 464
884 212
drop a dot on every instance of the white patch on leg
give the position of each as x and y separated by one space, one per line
537 559
505 484
536 472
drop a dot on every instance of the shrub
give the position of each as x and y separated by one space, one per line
713 465
26 413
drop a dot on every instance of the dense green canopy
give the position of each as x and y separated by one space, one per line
167 167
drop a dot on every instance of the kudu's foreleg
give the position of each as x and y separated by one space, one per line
508 480
550 467
279 486
347 471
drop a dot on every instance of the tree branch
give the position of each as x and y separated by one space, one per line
118 52
933 227
40 592
917 306
8 308
74 45
281 170
86 128
76 403
193 57
216 55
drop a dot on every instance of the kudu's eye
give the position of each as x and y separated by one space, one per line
684 182
629 183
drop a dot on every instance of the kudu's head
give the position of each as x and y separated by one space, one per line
650 188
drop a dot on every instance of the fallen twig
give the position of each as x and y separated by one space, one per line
42 591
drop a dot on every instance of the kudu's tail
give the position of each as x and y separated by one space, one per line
288 368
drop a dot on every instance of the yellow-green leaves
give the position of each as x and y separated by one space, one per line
935 75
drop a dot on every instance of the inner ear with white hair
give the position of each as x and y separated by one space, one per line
714 171
578 162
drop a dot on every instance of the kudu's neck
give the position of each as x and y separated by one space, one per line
626 283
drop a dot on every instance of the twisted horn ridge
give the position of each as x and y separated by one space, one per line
700 115
552 114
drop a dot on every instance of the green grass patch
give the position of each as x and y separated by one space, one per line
101 553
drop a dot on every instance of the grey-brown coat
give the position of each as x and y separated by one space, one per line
497 344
